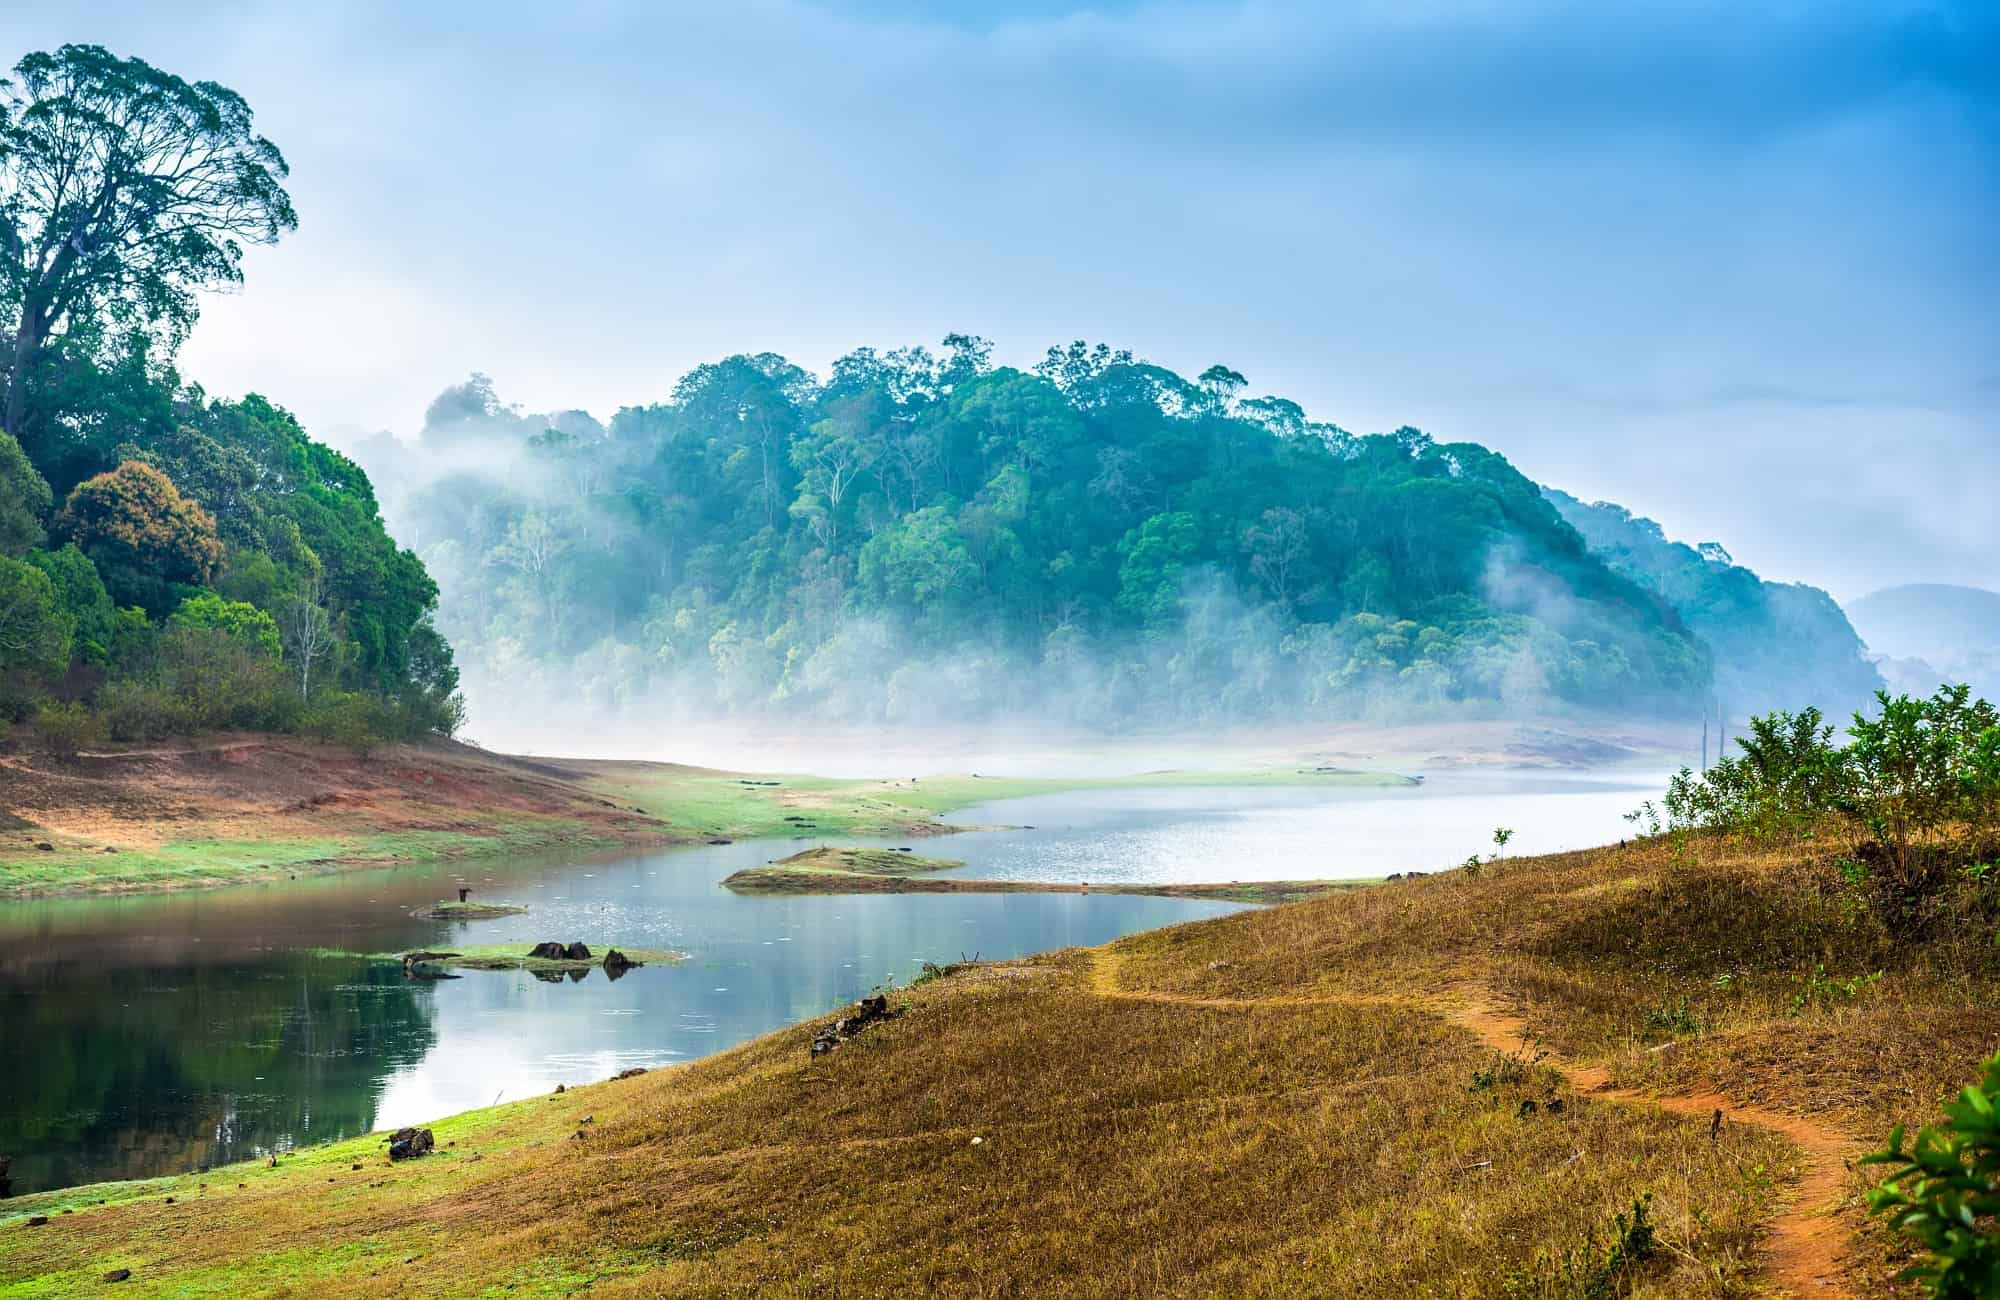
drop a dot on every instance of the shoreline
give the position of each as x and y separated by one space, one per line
265 809
1058 1082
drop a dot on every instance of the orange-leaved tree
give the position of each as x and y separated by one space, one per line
134 515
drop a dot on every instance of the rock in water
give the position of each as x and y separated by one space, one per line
409 1143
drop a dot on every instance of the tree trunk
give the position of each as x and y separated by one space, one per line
25 345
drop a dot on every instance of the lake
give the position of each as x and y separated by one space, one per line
156 1034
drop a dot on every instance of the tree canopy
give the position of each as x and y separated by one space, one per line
212 564
927 535
124 192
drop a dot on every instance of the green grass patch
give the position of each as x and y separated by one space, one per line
453 910
830 870
73 867
700 803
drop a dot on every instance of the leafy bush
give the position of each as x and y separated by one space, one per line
138 711
1944 1190
1594 1270
346 718
65 728
239 619
1910 777
225 681
34 631
1919 766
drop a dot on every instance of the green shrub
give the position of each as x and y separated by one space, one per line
34 630
137 711
65 727
240 619
1595 1270
226 681
1944 1191
347 718
1910 779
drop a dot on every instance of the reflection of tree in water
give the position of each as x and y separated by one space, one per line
137 1071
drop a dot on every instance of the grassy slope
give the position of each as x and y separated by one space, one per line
1276 1102
248 808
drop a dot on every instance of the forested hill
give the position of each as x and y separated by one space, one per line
1776 645
927 536
171 563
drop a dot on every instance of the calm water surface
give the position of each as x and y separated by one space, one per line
151 1035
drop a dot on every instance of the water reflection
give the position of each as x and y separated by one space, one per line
132 1069
155 1035
151 1035
1279 833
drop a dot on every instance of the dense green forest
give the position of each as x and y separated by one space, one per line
1776 645
926 536
170 562
916 536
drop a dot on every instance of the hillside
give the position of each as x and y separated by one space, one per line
1327 1097
1098 541
247 807
1926 633
232 808
1775 645
1925 620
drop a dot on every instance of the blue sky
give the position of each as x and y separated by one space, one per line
1732 265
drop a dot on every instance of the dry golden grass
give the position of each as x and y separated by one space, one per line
1280 1102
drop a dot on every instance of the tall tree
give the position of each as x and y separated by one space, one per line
135 516
24 500
124 191
34 633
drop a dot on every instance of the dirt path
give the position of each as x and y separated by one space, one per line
1805 1239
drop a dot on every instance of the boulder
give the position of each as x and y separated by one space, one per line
409 1143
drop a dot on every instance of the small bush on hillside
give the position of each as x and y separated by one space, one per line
1507 1069
1944 1191
1595 1270
135 711
1817 989
346 718
65 728
1787 777
227 682
1916 788
1673 1019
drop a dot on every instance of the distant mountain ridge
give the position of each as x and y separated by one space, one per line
1926 633
918 538
1776 645
1925 619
